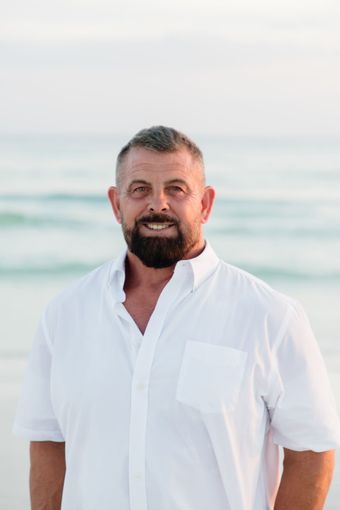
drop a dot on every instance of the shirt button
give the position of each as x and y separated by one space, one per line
138 476
141 386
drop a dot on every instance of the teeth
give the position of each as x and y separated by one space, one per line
158 226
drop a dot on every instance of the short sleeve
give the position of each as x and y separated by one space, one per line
300 401
35 419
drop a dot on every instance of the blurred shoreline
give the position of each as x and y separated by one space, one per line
277 215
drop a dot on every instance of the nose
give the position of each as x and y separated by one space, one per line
158 202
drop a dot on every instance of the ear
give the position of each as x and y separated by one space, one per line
207 202
113 196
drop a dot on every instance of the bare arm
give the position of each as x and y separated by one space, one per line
305 480
47 474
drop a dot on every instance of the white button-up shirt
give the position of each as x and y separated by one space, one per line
188 415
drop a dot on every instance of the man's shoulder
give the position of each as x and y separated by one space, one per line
88 285
252 290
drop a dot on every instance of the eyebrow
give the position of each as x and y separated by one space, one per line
177 181
138 181
172 181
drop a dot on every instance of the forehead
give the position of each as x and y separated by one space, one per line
148 165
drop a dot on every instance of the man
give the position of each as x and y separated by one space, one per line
168 379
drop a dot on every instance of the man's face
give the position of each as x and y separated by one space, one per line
161 203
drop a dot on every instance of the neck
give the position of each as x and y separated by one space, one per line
139 275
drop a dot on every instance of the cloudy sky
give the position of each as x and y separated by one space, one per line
211 67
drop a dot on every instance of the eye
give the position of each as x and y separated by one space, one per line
175 190
140 190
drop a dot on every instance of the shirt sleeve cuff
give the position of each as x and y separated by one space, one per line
38 435
315 446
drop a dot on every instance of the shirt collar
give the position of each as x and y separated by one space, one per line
200 268
117 277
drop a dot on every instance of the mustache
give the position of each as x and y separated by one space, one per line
156 218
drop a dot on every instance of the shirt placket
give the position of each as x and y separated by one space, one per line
139 396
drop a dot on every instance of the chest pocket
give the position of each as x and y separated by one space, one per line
210 376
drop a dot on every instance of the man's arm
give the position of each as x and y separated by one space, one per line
305 480
47 474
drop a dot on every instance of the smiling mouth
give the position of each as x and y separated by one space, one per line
158 226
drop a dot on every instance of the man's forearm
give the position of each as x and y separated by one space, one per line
305 480
47 474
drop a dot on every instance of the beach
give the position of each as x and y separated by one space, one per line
277 216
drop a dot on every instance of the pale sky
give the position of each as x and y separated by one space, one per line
211 67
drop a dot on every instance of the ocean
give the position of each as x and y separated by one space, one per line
277 215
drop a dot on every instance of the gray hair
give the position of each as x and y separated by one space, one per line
159 139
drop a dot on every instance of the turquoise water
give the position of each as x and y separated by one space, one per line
277 215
